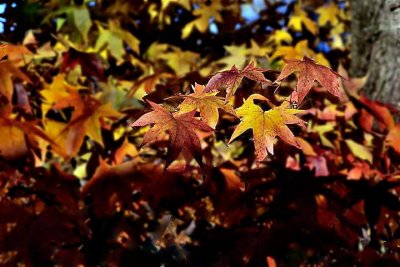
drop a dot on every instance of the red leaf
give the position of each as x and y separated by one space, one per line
180 127
230 79
309 72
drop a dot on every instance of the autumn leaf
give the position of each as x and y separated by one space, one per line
280 36
207 103
8 70
15 53
126 149
240 54
300 18
59 94
86 118
70 136
380 112
180 61
328 14
393 138
180 127
230 79
114 38
351 85
232 180
309 72
359 150
81 18
19 137
91 63
147 84
3 51
266 125
300 50
203 14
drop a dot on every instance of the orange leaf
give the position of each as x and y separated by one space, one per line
15 134
393 138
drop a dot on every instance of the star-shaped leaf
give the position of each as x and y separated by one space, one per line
328 14
230 79
309 72
266 125
204 13
180 127
300 18
207 103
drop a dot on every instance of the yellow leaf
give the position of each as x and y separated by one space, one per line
56 91
280 36
299 18
184 3
180 61
360 151
114 38
328 14
321 130
92 124
266 125
239 55
300 50
207 103
204 14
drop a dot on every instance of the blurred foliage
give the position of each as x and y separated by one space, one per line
77 189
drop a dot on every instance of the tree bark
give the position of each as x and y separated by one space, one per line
375 49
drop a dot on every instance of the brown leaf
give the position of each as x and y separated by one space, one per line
309 72
180 127
230 79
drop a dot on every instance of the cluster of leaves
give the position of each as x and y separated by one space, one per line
78 189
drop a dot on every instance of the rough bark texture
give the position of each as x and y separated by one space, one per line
376 47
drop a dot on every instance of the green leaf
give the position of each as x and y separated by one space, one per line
82 21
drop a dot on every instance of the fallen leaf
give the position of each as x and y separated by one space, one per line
360 151
393 138
319 164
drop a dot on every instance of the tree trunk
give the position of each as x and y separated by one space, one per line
376 47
